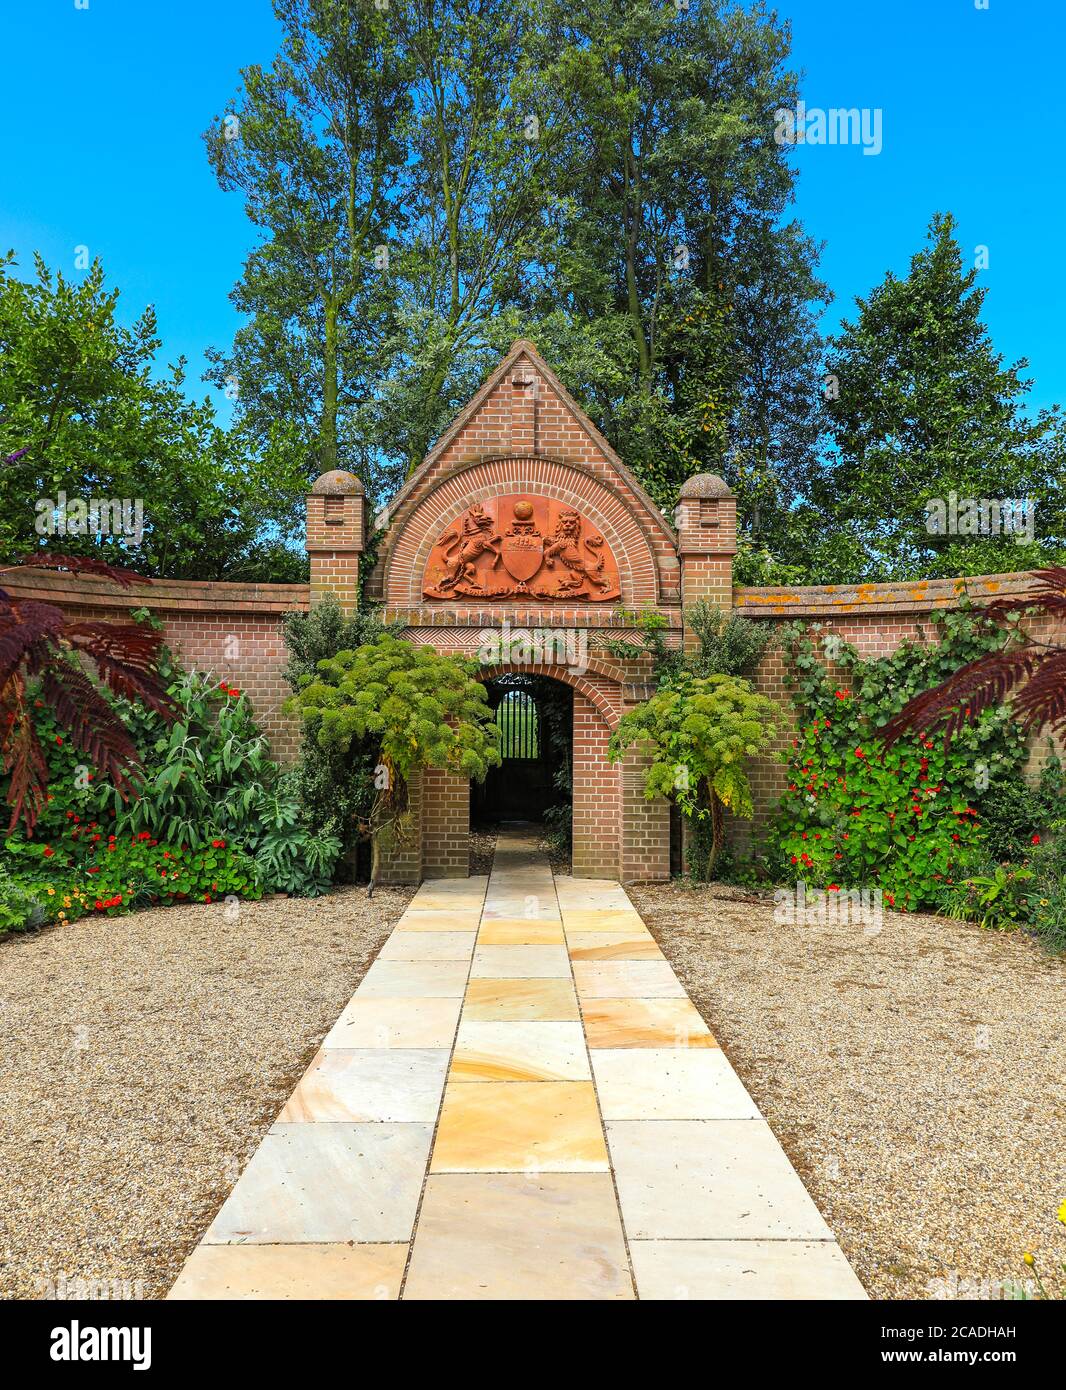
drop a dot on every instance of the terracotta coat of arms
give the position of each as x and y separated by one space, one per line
510 547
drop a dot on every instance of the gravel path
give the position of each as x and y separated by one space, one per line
143 1058
916 1078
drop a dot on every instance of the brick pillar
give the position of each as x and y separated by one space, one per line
596 796
706 519
645 824
445 824
336 534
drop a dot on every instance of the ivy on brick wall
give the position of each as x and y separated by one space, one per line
911 820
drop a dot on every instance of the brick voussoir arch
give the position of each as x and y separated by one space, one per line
593 693
436 509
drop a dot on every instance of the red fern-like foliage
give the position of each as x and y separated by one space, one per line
1030 673
38 642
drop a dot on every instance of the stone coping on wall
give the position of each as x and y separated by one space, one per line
182 595
827 601
599 617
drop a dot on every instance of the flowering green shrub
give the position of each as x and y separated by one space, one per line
909 819
88 872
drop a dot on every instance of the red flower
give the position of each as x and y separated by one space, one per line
59 741
218 844
222 685
166 854
794 859
834 888
859 753
48 851
1035 840
207 897
99 905
890 900
236 693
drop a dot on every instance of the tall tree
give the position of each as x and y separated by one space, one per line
316 143
671 289
920 406
475 192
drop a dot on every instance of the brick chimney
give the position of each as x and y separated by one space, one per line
336 535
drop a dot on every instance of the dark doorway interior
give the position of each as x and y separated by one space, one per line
535 717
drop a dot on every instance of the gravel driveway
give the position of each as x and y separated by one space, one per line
143 1058
916 1078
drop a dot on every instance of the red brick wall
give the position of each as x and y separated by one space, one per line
230 631
874 618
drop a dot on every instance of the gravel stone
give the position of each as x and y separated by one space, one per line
143 1059
916 1078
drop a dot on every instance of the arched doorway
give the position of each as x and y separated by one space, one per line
534 782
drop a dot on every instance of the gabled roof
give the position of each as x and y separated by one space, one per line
520 348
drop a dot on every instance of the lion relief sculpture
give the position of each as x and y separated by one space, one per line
511 547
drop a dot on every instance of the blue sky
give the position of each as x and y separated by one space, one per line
104 107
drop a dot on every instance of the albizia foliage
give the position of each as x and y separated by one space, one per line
1030 673
40 644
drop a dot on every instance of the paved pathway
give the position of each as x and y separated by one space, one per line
519 1102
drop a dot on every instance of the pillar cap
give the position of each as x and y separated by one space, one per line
705 485
338 483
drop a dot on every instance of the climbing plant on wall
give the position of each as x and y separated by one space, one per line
910 819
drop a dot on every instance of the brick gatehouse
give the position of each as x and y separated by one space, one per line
524 525
522 522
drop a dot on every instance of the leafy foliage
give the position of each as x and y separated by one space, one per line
419 709
727 644
83 411
1030 673
700 732
334 786
40 643
906 817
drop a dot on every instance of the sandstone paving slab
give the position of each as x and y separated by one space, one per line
386 1084
292 1272
517 1127
644 1023
327 1183
743 1269
520 1051
408 1022
425 945
556 1236
612 945
518 962
627 979
709 1179
519 931
546 1001
421 979
676 1083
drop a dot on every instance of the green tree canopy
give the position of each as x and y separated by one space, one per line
417 707
86 414
919 405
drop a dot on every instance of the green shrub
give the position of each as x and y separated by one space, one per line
700 734
414 706
333 786
21 907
